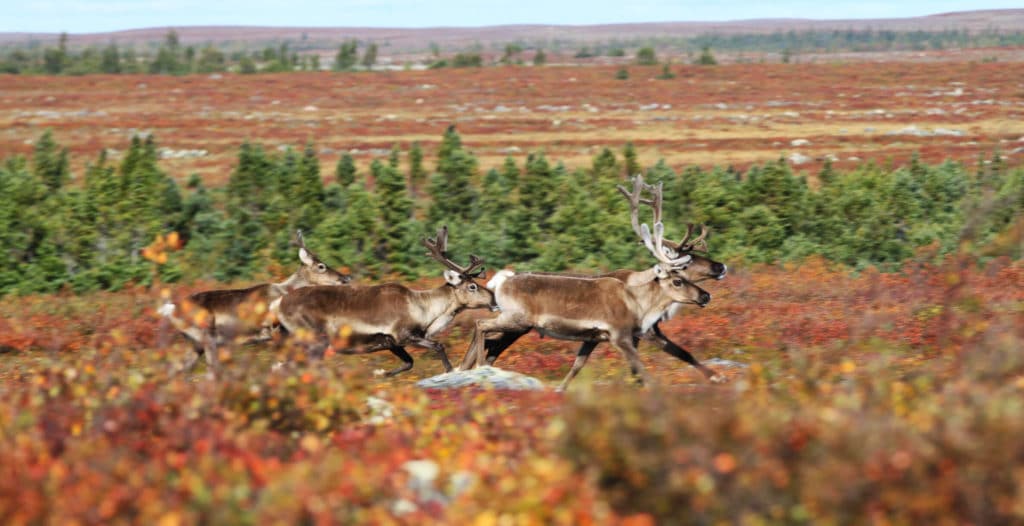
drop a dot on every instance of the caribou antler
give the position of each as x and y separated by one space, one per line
299 240
635 200
657 248
438 248
668 248
699 243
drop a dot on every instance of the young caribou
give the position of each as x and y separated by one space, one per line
697 268
590 310
387 316
227 314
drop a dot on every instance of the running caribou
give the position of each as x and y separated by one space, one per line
387 316
220 316
675 260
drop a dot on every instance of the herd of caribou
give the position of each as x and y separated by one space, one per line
619 307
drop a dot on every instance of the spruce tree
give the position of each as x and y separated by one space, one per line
308 196
454 197
370 56
50 162
394 156
576 228
774 186
395 241
629 160
348 237
346 57
417 175
490 232
538 190
111 62
345 171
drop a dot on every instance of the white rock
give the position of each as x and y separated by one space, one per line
485 376
460 482
381 410
422 477
798 158
403 506
799 142
166 310
422 471
723 363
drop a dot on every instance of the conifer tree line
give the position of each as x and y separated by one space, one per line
86 231
173 58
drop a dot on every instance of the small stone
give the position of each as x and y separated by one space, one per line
725 364
460 482
423 472
403 507
798 158
485 376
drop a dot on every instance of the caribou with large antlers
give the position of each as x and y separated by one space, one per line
220 316
387 316
670 257
590 310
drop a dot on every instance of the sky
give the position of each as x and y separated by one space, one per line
90 16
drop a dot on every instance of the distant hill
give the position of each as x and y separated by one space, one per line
406 40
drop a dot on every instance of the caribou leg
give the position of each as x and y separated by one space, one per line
498 346
673 349
190 360
403 355
581 359
210 343
475 355
624 343
435 346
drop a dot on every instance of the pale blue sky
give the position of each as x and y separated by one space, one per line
86 16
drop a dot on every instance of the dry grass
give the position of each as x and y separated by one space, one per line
730 114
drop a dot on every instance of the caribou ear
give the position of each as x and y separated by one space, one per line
660 272
453 278
306 257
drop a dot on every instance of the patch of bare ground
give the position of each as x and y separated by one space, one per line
734 114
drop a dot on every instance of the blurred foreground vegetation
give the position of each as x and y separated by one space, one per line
888 398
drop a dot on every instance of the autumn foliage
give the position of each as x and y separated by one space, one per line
870 397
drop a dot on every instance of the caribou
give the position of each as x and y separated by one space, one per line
387 316
671 260
220 316
591 310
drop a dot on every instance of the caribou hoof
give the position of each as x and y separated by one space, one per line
718 379
379 372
